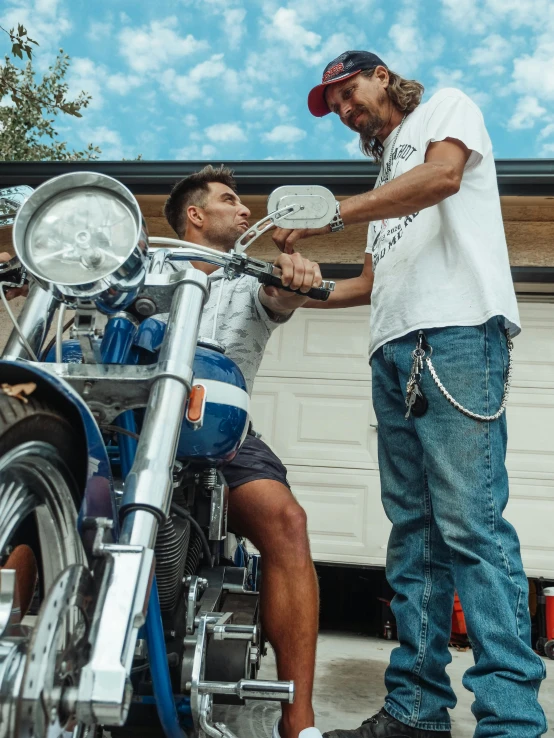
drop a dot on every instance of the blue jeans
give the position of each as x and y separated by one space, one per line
444 487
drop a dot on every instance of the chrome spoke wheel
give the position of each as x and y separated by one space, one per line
37 512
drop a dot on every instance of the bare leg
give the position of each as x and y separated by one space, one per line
266 512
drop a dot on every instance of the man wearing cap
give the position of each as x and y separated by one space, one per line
437 274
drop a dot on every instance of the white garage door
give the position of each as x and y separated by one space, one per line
312 402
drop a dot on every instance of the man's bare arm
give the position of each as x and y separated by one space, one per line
349 292
423 186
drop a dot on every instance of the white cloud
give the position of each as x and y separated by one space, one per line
456 78
284 28
225 133
87 76
188 87
84 75
194 152
109 141
466 14
309 11
409 47
99 31
547 150
190 120
284 135
208 150
153 47
123 83
547 131
233 26
528 111
480 16
534 74
352 148
45 20
491 55
266 107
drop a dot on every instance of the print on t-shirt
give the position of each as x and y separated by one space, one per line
387 233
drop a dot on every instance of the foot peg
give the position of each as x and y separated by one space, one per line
247 689
251 689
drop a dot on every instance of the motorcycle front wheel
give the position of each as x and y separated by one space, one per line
38 494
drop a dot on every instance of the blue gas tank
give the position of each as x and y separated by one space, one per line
227 403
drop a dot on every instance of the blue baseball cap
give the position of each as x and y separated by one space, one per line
344 66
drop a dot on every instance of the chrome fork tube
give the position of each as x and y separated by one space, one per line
149 484
34 321
105 688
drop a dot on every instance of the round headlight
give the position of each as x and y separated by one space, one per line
79 237
83 233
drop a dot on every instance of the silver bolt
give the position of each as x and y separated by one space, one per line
145 306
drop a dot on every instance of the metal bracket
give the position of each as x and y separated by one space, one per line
196 585
262 226
88 328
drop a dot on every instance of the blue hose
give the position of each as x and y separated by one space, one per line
117 349
157 655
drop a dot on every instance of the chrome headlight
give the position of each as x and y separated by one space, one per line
83 233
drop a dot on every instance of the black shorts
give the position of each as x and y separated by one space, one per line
255 460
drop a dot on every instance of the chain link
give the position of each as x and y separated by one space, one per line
461 408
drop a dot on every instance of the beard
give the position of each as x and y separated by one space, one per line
223 238
373 123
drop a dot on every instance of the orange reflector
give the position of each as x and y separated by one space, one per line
195 408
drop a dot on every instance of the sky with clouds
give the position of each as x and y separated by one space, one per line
228 79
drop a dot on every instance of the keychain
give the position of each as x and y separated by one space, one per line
416 402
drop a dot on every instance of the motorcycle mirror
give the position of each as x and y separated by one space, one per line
314 206
11 199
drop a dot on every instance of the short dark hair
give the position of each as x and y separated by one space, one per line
193 190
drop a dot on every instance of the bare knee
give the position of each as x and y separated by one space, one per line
286 534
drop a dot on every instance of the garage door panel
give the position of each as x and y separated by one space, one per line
322 423
531 431
263 413
534 347
531 511
321 343
346 520
313 403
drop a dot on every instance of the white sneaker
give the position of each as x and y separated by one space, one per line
306 733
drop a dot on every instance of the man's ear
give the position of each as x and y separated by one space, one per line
195 215
382 74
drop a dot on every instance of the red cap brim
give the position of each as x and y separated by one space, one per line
317 104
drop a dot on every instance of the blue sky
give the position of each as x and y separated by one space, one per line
228 79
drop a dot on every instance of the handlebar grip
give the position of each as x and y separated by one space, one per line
316 293
13 277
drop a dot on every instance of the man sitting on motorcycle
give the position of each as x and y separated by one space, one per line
205 209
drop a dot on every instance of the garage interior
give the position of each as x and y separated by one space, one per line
312 403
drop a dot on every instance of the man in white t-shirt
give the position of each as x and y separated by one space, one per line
437 275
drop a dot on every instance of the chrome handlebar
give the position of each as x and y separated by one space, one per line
235 263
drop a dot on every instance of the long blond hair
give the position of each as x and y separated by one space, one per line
405 94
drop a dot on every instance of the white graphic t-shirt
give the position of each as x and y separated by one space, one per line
448 264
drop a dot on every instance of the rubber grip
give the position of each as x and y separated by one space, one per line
316 293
